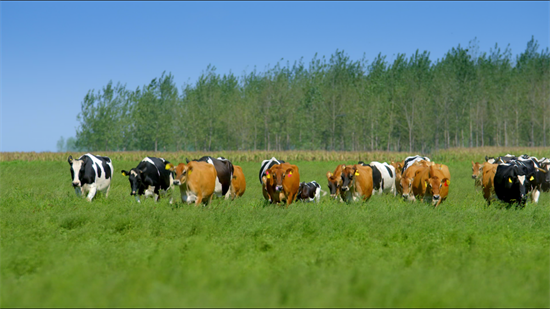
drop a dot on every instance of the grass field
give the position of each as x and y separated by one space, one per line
60 251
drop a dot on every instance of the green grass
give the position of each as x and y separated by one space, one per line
60 251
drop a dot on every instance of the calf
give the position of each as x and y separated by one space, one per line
383 177
196 180
335 182
267 164
90 174
437 185
309 192
487 181
224 174
356 183
477 173
238 183
282 182
150 178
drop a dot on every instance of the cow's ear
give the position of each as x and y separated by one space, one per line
510 179
187 160
343 166
70 160
473 163
169 166
329 174
288 172
124 173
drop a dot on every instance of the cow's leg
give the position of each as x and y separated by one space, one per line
198 201
92 192
78 191
535 195
107 191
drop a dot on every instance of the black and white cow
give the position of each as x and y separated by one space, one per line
90 174
410 160
224 169
537 175
500 159
150 178
309 192
545 165
383 177
511 183
267 164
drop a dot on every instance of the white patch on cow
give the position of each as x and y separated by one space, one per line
521 179
388 185
317 194
535 194
133 173
218 186
410 161
150 191
187 196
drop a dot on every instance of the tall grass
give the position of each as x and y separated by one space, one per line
58 250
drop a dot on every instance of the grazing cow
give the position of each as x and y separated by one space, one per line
196 180
398 166
282 182
383 177
487 181
238 183
335 182
477 173
356 183
410 184
91 173
511 183
224 174
437 185
537 176
309 192
267 164
411 160
151 178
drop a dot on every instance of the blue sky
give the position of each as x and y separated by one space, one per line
52 53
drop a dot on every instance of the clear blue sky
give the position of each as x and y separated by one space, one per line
52 53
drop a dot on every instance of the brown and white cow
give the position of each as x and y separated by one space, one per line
356 182
477 173
335 182
282 182
196 180
238 182
437 185
487 182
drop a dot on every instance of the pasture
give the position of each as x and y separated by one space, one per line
58 250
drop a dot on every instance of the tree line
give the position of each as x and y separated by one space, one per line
467 98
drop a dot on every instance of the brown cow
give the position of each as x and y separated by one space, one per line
238 182
407 182
197 181
477 173
282 182
356 182
335 181
398 171
487 181
437 185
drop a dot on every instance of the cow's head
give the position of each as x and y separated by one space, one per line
348 175
77 170
180 172
406 187
334 183
136 178
276 174
435 184
477 170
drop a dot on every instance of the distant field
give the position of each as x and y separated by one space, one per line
60 251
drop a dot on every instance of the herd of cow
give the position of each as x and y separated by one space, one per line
509 178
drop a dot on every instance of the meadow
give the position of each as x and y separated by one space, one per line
58 250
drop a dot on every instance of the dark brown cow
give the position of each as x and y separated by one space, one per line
356 182
282 182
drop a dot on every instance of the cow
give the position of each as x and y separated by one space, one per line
224 174
238 182
511 183
282 182
437 185
309 192
383 177
335 182
410 184
91 173
398 166
545 165
356 183
150 178
487 181
411 160
501 159
537 175
477 173
196 180
267 164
